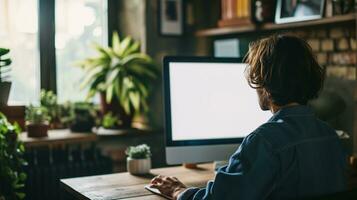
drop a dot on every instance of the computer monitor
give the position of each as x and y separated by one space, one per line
209 108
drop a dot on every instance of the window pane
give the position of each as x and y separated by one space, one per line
78 24
19 33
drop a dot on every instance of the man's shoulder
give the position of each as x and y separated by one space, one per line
275 133
281 133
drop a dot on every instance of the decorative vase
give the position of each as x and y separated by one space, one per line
37 130
138 166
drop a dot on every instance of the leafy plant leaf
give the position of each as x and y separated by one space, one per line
91 76
135 100
134 48
109 93
116 43
5 62
124 45
4 51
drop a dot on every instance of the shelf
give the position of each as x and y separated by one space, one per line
58 137
272 26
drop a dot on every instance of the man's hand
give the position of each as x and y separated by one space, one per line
168 185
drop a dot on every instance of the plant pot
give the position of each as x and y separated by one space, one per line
106 131
4 92
82 126
37 130
116 109
138 166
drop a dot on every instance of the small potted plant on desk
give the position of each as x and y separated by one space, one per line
37 121
139 159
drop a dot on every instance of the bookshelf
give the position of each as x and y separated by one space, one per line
244 29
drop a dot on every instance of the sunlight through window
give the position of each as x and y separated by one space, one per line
19 33
78 24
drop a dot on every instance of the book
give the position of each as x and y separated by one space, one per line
235 12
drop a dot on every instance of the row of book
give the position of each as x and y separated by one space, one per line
235 9
235 12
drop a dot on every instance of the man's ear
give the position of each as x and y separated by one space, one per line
264 99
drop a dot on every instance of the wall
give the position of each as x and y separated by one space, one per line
139 19
159 46
131 18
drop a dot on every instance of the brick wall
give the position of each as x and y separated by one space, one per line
335 49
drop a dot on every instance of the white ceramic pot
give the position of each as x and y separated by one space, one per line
138 166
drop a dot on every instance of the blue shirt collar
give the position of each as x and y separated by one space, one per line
298 110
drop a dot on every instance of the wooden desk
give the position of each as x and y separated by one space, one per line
126 186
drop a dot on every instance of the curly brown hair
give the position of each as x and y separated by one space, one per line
285 67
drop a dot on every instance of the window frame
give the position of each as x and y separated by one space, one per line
47 33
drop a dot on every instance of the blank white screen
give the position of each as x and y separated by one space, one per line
212 101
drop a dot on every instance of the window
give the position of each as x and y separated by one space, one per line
19 33
37 50
78 24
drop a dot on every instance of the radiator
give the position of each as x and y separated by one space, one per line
47 166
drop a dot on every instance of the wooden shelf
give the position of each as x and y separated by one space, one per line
58 137
271 26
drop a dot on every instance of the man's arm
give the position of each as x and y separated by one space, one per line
250 174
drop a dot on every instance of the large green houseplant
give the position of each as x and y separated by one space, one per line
5 83
122 75
12 176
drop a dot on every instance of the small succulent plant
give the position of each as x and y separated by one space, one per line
138 152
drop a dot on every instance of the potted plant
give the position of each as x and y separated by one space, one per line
48 100
82 117
138 160
12 176
122 75
110 121
37 121
5 84
110 124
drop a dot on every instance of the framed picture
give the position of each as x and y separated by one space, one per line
298 10
171 17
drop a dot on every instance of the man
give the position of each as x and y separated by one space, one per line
293 155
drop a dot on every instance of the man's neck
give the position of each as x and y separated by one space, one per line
275 108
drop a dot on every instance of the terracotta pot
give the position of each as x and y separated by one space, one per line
138 166
37 130
116 109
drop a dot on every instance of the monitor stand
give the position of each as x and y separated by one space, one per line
190 165
216 165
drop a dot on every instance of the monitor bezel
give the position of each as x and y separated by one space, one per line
167 101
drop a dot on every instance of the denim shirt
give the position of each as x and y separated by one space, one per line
293 155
